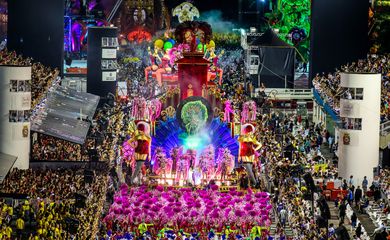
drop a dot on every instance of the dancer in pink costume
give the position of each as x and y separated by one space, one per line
154 111
249 112
225 163
127 153
162 165
203 209
229 110
175 153
139 110
207 163
183 166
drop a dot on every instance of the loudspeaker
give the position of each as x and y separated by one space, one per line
339 34
36 29
309 181
88 175
93 155
80 200
72 225
102 43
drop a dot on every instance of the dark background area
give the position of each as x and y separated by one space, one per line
338 34
37 30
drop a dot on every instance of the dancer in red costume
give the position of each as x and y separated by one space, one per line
248 147
142 148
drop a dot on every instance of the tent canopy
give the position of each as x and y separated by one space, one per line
61 115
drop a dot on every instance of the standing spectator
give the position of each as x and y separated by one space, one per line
358 195
19 227
331 230
350 181
330 142
344 185
365 184
342 209
319 141
353 219
377 194
350 196
342 232
358 230
283 217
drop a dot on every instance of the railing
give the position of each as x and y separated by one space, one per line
326 107
384 132
385 128
286 93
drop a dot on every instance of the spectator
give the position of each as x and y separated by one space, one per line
350 182
344 185
365 184
20 227
350 196
342 232
358 195
358 230
342 209
331 230
353 219
364 204
283 217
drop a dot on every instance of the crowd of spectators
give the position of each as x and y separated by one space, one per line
291 153
42 77
51 148
51 210
99 144
384 180
328 85
284 161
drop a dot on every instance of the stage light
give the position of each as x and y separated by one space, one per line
192 142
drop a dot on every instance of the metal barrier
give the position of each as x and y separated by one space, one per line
287 93
385 128
101 165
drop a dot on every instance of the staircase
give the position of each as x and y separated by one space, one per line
287 229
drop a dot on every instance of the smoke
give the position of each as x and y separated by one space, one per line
218 24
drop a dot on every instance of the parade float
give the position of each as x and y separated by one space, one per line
192 135
189 148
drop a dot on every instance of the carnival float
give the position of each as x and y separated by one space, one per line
192 135
189 147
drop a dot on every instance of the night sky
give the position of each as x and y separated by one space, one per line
229 8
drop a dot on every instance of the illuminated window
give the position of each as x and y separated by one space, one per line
351 123
19 116
352 93
20 86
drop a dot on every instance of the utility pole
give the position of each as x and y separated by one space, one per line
240 12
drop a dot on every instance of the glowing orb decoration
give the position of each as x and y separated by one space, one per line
185 12
194 114
192 142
